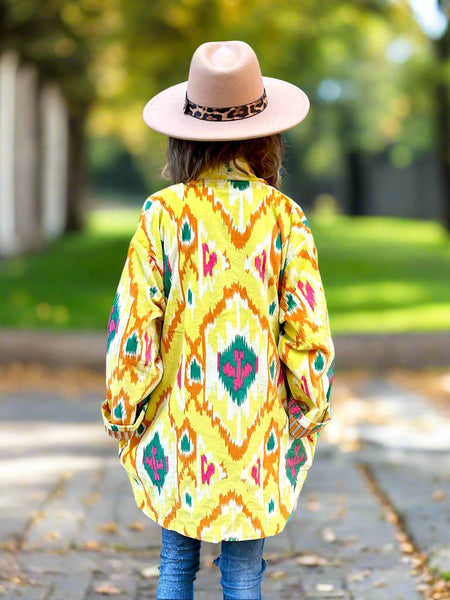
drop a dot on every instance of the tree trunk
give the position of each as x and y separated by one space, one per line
442 48
357 200
76 172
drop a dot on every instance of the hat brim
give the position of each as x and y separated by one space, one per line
287 106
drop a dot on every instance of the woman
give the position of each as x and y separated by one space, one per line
219 359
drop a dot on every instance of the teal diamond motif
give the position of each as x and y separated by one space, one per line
118 411
291 303
195 370
295 458
237 367
156 462
186 233
319 363
167 273
185 444
240 185
113 321
278 244
132 344
272 369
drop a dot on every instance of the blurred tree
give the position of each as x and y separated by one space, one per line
61 37
365 64
442 49
336 50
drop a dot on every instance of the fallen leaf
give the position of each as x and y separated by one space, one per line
407 547
312 560
422 587
350 539
91 545
10 545
52 535
272 556
440 585
107 589
359 576
439 495
328 535
324 587
419 561
401 536
208 562
379 584
91 499
136 526
38 516
313 506
277 575
109 527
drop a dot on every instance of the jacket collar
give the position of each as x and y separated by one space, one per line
230 171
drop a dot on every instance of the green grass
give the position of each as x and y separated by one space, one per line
384 274
380 275
71 285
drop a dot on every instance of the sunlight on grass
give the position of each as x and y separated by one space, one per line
380 275
377 295
379 230
113 222
427 317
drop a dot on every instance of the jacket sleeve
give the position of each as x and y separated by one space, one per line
305 345
133 362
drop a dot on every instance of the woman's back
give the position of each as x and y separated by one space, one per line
213 457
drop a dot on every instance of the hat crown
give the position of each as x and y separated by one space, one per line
224 74
226 98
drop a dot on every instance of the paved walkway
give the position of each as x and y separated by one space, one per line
363 351
69 528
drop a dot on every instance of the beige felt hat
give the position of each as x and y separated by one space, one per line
226 98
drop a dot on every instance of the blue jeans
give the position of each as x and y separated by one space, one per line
241 565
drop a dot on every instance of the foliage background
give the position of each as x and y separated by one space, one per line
377 74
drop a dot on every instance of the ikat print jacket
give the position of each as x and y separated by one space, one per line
218 332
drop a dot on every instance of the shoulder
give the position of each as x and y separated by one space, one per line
163 198
288 210
161 208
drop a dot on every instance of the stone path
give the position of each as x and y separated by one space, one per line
69 528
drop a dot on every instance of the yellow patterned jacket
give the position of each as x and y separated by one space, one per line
219 312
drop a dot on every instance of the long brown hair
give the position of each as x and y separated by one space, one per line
186 159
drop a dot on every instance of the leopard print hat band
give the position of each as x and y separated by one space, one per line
231 113
225 88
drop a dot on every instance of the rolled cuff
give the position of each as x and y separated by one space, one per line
120 432
300 425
